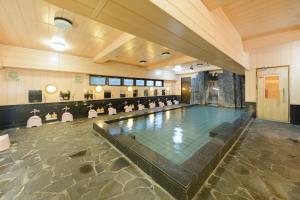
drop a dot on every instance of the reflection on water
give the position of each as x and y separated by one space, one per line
177 138
158 120
167 113
130 124
150 121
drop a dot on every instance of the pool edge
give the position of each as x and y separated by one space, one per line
181 181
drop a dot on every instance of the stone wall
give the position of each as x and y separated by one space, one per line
199 87
231 89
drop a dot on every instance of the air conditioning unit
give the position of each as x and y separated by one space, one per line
12 76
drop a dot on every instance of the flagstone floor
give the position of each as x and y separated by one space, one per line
264 165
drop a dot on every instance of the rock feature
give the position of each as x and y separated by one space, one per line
120 163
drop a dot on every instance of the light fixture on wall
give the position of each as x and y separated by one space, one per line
166 54
63 23
98 89
51 89
151 88
58 44
129 89
168 89
143 62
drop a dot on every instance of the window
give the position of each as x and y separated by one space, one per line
150 83
128 82
158 83
114 81
97 80
140 82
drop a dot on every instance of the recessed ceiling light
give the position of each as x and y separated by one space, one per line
177 68
63 23
143 62
58 44
166 54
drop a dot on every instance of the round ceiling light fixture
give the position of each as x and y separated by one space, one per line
58 44
63 23
166 54
51 89
143 62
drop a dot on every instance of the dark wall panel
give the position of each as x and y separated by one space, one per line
295 114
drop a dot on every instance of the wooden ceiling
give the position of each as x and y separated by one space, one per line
30 24
138 49
254 18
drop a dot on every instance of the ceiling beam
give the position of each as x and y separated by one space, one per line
107 53
162 23
214 4
172 62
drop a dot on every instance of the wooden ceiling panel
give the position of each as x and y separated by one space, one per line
31 24
254 18
139 49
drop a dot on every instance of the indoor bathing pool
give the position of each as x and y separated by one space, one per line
178 134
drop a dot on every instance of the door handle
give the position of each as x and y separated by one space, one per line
283 95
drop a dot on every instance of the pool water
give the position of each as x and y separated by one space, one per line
178 134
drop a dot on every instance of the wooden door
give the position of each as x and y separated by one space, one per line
273 94
186 90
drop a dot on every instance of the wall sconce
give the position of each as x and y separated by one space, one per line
50 89
98 89
151 88
129 89
168 89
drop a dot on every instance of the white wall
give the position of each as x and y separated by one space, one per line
279 55
18 57
15 92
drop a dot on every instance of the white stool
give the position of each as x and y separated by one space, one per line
128 108
141 107
152 105
4 142
169 103
112 111
176 102
161 104
92 114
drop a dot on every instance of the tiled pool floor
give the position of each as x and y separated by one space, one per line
178 134
69 162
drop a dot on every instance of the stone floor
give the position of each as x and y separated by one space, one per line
68 161
264 165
